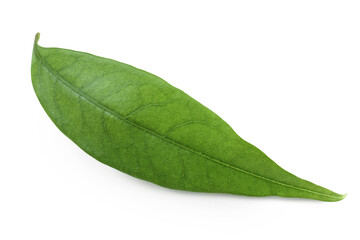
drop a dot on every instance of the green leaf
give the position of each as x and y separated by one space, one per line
139 124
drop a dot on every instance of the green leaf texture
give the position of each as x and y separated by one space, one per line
139 124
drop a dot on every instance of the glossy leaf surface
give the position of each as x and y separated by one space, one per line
139 124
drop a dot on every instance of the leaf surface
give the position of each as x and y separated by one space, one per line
139 124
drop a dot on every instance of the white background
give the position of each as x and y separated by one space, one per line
284 74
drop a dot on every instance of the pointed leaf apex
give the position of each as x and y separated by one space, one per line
343 196
339 197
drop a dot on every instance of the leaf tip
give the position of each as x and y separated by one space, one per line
339 197
343 196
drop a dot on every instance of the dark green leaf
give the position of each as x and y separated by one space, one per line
139 124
